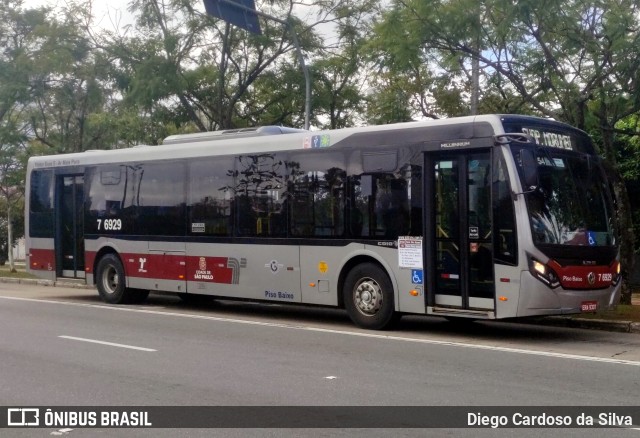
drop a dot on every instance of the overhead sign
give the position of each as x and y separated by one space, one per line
241 13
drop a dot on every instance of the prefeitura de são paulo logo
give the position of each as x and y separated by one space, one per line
202 273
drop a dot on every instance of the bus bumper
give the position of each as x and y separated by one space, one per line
537 299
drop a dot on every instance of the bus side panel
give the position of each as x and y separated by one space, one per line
262 272
403 281
320 271
41 258
507 287
167 264
214 269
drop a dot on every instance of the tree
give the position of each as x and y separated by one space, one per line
20 39
574 61
196 71
341 73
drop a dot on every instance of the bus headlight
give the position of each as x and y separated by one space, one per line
543 273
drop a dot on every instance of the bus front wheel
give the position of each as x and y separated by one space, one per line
368 297
111 282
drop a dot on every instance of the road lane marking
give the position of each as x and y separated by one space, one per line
111 344
345 332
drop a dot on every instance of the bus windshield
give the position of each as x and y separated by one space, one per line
571 204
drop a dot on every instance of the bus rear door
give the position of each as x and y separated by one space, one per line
70 226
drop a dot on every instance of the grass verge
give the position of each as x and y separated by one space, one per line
622 312
20 272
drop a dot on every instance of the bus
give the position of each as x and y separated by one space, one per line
482 217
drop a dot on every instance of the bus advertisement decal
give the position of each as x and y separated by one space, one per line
213 269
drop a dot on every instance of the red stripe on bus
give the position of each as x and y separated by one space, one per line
42 259
583 277
173 267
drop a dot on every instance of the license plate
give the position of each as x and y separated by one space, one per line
589 306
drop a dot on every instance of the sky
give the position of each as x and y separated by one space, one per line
107 13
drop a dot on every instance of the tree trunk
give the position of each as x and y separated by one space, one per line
625 231
12 267
623 218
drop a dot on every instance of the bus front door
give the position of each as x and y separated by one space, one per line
459 241
70 226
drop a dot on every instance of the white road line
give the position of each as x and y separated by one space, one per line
112 344
345 332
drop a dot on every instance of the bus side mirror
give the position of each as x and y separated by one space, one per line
529 165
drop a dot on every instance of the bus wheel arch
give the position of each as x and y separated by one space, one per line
367 294
99 255
111 281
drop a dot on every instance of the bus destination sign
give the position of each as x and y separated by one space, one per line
551 139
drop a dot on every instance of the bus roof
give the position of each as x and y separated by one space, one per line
274 138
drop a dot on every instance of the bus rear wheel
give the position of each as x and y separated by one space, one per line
111 282
368 297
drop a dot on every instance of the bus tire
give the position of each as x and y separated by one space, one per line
111 281
368 297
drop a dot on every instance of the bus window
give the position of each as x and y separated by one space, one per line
259 199
41 204
316 194
109 203
505 246
211 197
386 205
161 199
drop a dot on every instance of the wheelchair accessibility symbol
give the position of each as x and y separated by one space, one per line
591 237
417 276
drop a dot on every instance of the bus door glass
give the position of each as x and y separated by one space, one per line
70 226
460 239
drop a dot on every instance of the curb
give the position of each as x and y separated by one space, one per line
48 283
591 324
557 321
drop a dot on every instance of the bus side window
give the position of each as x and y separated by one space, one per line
260 192
316 193
41 204
360 190
382 204
105 198
211 196
161 199
505 244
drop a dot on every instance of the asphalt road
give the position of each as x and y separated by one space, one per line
64 347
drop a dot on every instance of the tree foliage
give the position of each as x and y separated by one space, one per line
574 61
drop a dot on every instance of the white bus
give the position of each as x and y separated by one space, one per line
485 217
